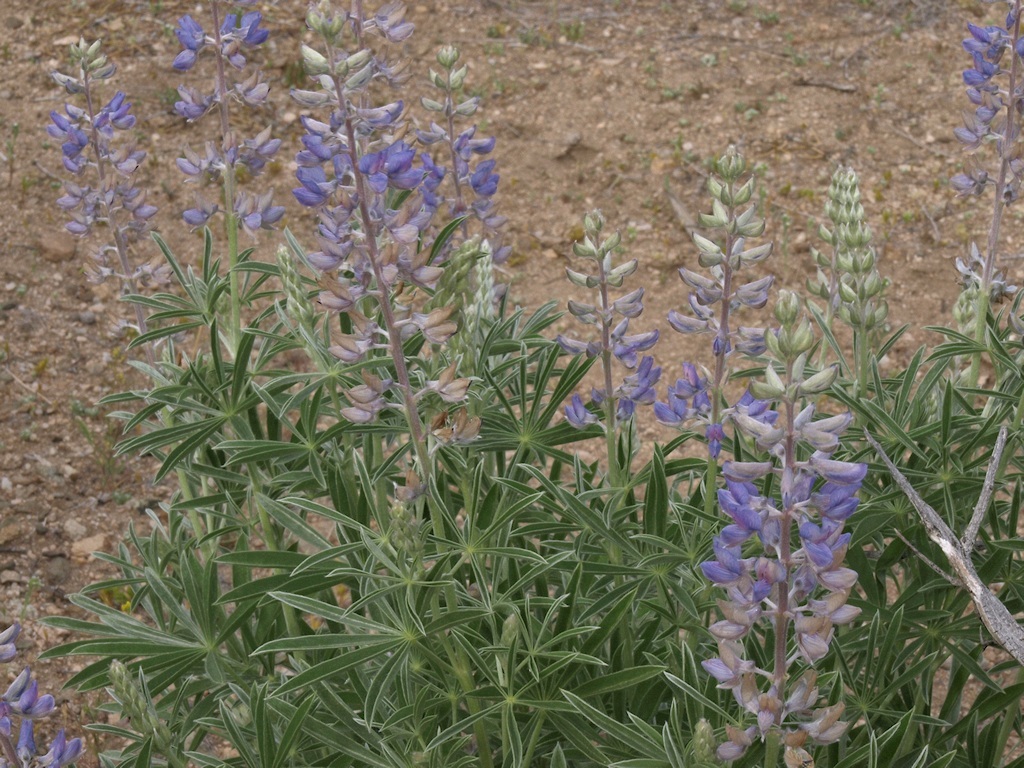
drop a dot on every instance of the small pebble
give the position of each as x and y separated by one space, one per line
87 317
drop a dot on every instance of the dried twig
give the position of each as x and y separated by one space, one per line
841 87
995 615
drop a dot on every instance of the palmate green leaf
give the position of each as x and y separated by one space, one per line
989 703
333 613
443 237
572 505
291 522
691 696
463 726
247 452
614 681
164 436
335 666
512 740
826 332
868 754
381 681
581 736
292 732
631 738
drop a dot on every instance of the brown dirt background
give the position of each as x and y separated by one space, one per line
598 104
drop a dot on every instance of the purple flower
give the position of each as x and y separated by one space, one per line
26 747
249 30
483 181
638 388
257 211
982 71
117 113
735 500
193 104
62 752
988 42
198 216
315 189
625 347
390 20
8 649
391 167
192 38
576 413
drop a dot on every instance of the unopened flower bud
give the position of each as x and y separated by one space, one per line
787 308
593 221
447 56
314 61
819 382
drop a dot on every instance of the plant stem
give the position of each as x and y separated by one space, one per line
717 388
771 750
782 615
230 217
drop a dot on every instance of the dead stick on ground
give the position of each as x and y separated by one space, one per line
1000 622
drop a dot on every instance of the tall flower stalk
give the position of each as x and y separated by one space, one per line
714 300
995 120
103 160
780 561
232 34
612 317
367 247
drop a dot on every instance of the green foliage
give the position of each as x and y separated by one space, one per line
303 602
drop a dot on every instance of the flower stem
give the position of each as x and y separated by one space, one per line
230 218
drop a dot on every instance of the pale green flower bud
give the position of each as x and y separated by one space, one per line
437 80
704 742
593 221
787 308
458 77
314 61
447 56
585 249
819 382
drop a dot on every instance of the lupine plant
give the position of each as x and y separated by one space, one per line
395 554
